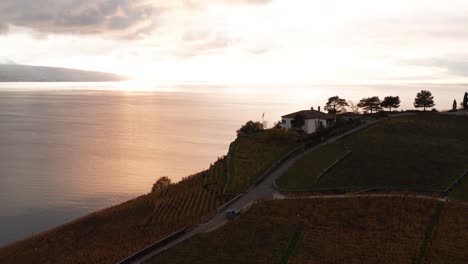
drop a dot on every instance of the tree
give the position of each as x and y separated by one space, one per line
391 102
354 107
454 106
465 101
370 104
161 184
250 127
424 99
335 105
298 122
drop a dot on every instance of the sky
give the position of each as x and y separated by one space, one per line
244 41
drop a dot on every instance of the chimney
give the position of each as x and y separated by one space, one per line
318 108
312 108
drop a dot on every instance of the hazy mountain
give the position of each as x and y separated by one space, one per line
4 60
10 72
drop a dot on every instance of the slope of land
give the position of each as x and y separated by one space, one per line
353 230
308 170
424 152
26 73
115 233
251 156
283 231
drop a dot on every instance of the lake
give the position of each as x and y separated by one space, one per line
67 149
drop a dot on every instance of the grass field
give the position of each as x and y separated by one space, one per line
253 155
421 152
306 171
115 233
354 230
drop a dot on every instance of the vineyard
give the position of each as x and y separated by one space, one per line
251 156
353 230
424 152
191 198
112 234
307 170
449 243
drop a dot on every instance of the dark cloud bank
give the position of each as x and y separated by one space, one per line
122 18
78 16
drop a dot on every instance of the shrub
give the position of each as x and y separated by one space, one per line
161 184
250 127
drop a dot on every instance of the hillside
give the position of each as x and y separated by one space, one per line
26 73
353 230
112 234
424 152
410 154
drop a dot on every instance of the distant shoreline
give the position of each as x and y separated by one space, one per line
26 73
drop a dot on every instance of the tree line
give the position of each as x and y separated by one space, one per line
423 99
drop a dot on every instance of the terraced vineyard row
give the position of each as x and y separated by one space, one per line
191 198
253 155
114 233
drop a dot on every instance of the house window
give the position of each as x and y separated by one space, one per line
283 121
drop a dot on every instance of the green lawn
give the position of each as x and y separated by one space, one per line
253 155
305 172
421 152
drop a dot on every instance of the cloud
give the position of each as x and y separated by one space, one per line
120 18
3 28
456 64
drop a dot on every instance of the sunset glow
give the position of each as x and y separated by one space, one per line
244 41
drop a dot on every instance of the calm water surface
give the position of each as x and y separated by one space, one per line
69 149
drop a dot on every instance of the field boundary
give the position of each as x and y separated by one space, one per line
429 234
309 145
292 243
338 160
455 183
350 190
155 245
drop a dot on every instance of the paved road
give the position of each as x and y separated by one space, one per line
263 191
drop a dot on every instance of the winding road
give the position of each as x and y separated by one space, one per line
266 191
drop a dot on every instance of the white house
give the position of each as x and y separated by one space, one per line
312 120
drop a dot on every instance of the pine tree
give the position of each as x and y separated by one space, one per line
391 102
371 104
424 99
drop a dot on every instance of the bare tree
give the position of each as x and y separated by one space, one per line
354 107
